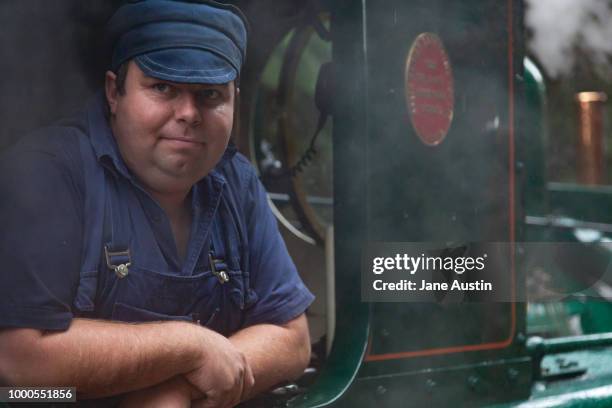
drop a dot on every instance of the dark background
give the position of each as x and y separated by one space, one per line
52 59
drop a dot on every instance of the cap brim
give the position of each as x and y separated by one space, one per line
186 65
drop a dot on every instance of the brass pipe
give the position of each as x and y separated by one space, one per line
590 152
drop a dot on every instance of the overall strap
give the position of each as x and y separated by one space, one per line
250 296
117 231
229 249
218 251
93 225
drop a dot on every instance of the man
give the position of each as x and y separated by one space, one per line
139 211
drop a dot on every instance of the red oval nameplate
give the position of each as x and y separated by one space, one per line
429 89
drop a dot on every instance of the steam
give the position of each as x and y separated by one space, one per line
560 25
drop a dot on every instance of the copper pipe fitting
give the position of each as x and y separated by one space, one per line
590 155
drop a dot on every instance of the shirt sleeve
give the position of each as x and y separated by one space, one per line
282 295
40 239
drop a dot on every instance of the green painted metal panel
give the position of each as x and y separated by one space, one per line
389 186
458 191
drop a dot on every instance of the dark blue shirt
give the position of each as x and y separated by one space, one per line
46 233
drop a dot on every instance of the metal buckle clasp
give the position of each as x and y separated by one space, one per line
122 269
221 275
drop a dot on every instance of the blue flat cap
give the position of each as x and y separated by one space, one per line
179 41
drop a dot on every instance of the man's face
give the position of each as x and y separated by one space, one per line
170 135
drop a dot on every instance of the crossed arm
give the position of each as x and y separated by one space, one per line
162 360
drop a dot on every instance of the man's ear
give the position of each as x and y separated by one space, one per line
110 87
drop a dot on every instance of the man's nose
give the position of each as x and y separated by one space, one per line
188 110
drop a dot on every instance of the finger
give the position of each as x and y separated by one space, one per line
238 390
233 396
249 382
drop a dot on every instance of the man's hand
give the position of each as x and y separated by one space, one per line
224 375
275 353
222 379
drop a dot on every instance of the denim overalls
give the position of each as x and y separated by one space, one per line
125 275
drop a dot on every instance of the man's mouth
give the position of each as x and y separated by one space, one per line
183 141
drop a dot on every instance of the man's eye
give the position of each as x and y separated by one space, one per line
162 88
211 94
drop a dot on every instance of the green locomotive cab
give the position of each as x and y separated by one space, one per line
380 172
